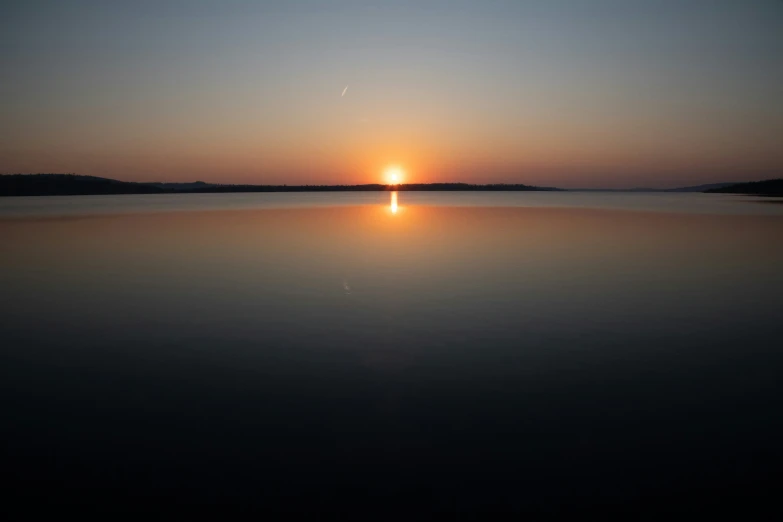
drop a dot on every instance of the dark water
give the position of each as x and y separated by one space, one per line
455 357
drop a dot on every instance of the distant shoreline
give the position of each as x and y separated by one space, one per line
15 185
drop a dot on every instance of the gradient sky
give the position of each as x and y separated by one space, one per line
571 94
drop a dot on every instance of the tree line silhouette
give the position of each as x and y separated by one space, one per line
73 184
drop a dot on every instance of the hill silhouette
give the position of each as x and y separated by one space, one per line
769 187
68 185
76 185
702 188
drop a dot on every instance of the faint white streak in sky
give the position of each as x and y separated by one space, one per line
343 94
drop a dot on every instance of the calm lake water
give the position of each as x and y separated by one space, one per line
393 356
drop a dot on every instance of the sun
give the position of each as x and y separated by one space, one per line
393 175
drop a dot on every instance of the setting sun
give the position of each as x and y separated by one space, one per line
393 175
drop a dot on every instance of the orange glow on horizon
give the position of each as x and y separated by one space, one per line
393 175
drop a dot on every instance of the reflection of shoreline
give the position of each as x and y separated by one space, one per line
393 204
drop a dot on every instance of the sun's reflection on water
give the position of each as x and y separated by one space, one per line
393 204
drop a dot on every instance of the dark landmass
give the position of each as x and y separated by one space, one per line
370 187
69 185
183 187
611 190
695 188
702 188
467 186
769 187
76 185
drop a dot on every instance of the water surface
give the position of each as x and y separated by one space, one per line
447 353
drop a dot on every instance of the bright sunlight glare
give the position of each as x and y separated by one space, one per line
393 175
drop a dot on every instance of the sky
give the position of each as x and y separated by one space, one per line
557 93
